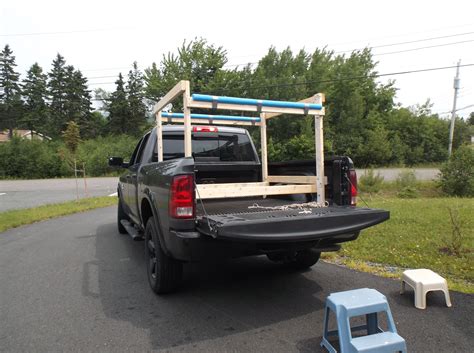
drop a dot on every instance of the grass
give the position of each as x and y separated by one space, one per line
16 218
416 236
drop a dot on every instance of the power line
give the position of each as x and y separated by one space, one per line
334 80
358 77
408 42
401 35
466 107
108 69
393 44
110 76
427 47
457 110
63 32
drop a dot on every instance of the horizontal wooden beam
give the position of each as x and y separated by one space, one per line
207 122
172 94
210 191
292 179
253 108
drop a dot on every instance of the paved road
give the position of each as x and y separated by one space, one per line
30 193
391 174
75 284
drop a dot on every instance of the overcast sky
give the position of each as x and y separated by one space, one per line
104 37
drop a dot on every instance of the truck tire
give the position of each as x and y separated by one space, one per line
164 273
121 215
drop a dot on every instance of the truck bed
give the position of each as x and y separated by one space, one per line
270 219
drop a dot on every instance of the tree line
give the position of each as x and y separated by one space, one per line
361 121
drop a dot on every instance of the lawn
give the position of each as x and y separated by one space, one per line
16 218
418 235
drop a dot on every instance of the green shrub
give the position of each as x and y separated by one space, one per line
407 185
457 175
95 153
29 159
370 182
26 159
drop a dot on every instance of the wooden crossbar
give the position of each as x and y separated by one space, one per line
231 190
252 108
292 179
209 121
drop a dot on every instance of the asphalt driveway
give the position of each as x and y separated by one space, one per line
75 284
15 194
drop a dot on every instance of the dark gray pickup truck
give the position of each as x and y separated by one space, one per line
159 201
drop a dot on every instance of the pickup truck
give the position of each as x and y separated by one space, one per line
159 202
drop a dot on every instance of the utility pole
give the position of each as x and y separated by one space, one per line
453 112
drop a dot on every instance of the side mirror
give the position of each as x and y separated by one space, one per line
117 162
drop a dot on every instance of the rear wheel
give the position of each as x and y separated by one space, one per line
120 216
164 273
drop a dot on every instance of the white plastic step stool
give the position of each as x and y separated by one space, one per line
423 281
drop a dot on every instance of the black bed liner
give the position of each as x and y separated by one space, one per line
253 219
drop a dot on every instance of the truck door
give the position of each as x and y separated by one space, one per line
133 184
125 179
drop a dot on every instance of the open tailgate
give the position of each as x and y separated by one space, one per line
290 224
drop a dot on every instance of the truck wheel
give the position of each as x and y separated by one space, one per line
121 215
164 273
304 259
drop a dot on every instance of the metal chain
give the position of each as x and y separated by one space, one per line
302 207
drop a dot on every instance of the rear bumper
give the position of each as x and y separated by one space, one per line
291 226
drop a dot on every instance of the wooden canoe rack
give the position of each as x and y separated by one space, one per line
266 109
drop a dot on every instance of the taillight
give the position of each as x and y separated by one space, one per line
181 204
353 179
205 129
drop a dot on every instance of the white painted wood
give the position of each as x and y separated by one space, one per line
187 121
207 191
206 122
252 108
172 94
263 146
159 134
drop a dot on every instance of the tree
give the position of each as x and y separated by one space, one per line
72 137
196 61
136 97
457 175
10 94
57 93
470 120
119 111
78 101
35 95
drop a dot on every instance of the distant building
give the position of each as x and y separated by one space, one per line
25 134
